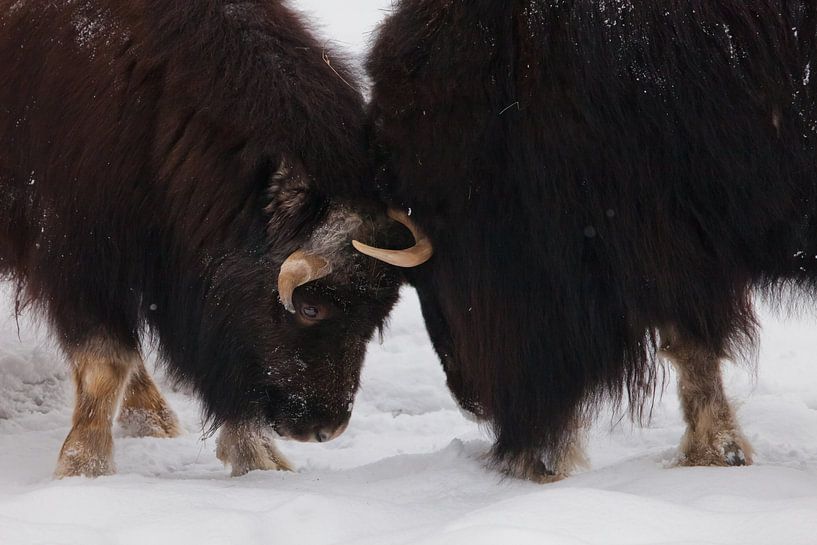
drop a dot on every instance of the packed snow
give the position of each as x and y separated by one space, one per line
411 468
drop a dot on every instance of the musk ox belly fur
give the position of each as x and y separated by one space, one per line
160 161
602 182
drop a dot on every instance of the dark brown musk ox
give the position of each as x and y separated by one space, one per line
194 170
604 182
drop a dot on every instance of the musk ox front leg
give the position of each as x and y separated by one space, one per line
144 412
520 450
249 446
101 369
713 437
530 465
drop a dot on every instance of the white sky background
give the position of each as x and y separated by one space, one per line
348 23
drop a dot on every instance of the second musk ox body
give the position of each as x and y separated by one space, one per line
602 182
185 167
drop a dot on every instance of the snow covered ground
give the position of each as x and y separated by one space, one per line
410 467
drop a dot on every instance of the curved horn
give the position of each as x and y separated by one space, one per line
410 257
298 269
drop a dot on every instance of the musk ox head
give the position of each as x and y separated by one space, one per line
320 302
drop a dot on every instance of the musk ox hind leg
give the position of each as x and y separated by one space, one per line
712 437
101 370
249 446
144 411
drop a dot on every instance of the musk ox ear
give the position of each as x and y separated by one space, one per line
292 205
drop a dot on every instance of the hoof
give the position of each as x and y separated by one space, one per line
78 458
529 468
147 423
725 449
246 450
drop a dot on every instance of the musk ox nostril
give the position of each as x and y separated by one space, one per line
324 434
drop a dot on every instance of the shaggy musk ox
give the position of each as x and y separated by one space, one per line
603 181
183 168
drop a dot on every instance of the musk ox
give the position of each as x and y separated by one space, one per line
195 170
603 182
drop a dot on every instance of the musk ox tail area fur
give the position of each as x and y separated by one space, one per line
160 160
601 181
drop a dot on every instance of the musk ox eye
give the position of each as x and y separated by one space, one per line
311 313
312 307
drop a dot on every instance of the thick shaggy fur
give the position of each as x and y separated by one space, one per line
159 159
590 171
